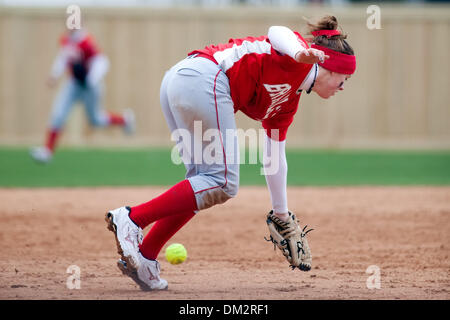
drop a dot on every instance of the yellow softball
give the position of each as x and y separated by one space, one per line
176 253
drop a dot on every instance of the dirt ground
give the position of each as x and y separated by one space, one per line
405 232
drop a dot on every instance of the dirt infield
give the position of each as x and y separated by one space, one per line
405 232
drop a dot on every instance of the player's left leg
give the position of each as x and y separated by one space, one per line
179 198
163 229
212 180
207 100
99 117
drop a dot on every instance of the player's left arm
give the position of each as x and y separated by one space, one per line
284 228
275 170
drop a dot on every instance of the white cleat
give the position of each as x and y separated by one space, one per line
146 275
128 234
41 154
130 121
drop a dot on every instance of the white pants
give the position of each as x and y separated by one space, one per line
195 99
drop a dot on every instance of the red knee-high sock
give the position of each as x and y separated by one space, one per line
52 137
161 232
116 119
180 198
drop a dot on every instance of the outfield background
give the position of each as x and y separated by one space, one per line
391 125
77 167
398 98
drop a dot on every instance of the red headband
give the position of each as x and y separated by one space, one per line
328 33
337 62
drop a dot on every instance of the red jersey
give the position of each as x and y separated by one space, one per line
265 84
81 47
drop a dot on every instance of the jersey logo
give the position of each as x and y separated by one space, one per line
279 93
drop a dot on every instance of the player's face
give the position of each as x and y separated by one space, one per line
328 83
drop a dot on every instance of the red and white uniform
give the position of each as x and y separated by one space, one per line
79 47
265 84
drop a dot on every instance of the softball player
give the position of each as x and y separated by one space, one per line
263 77
87 67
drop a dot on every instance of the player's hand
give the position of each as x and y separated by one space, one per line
311 56
51 82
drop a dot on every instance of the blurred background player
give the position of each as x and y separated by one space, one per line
87 67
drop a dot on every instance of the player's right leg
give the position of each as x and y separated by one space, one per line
200 100
61 108
195 99
100 117
207 184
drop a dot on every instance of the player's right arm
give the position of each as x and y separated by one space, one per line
285 41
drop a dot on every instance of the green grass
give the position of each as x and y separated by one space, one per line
335 168
139 167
